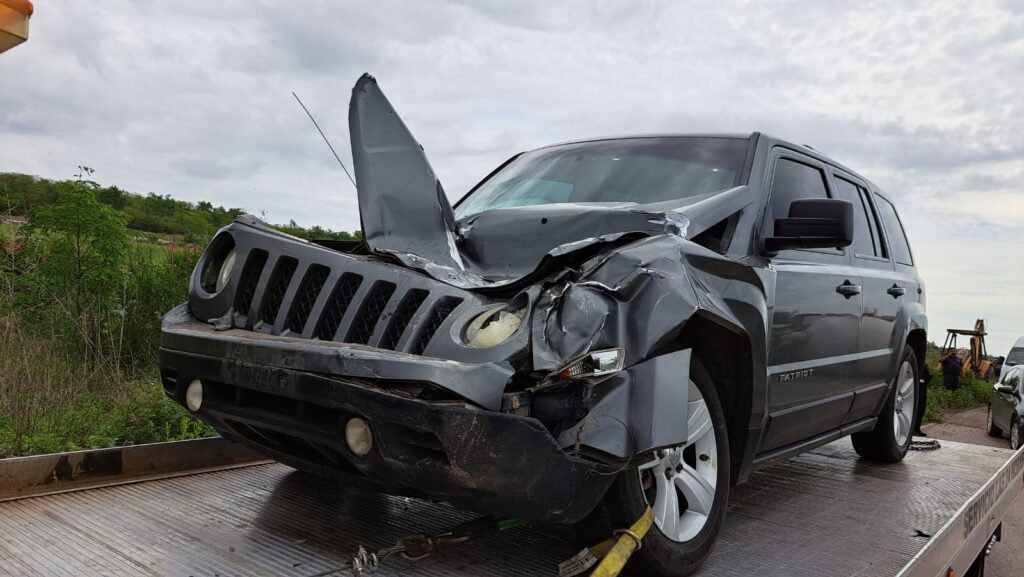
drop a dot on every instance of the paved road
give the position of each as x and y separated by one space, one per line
968 426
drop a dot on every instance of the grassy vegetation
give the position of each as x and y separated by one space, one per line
81 298
972 392
155 216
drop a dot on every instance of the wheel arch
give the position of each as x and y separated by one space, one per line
917 339
727 354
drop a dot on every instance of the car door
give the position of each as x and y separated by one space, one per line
1005 405
876 337
815 317
902 289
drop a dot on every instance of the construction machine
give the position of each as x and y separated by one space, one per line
14 15
975 357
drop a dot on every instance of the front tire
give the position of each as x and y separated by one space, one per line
1015 433
889 441
686 486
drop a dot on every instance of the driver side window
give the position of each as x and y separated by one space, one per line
792 181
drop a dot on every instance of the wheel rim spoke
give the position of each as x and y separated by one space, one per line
908 385
699 422
666 506
699 492
904 424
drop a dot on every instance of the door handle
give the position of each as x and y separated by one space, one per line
848 289
896 291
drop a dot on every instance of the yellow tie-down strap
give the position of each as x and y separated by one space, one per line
615 551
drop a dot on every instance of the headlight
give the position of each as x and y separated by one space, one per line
593 364
218 263
493 327
225 270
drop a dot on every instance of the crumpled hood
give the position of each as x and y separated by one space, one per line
506 244
405 213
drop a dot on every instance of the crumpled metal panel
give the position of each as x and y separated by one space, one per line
401 203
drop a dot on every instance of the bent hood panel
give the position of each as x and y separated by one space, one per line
402 206
405 213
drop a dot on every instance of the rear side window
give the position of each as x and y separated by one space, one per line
865 237
792 181
894 231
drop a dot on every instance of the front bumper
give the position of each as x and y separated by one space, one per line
287 398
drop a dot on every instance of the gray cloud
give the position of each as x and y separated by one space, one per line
193 99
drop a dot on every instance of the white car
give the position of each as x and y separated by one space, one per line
1014 357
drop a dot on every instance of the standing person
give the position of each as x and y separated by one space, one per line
952 365
922 400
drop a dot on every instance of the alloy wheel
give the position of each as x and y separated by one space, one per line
1015 435
681 482
905 404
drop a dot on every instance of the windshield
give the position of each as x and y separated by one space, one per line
1016 357
635 170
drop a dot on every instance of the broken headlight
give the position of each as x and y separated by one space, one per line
493 327
218 264
593 364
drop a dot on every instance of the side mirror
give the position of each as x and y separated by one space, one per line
1006 390
814 223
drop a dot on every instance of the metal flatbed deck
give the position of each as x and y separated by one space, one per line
822 513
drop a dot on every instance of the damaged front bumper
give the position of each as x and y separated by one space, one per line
290 398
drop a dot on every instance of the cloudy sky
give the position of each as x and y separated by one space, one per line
193 99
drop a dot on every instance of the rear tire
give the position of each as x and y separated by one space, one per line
993 429
889 441
676 545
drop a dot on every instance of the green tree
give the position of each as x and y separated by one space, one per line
80 246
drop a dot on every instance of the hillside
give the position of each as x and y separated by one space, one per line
192 223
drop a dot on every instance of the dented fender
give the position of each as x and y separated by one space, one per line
640 298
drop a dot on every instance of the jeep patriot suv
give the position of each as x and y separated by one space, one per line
597 327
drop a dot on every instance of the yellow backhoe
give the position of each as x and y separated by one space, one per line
975 357
14 15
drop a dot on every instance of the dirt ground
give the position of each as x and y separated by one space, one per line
1007 559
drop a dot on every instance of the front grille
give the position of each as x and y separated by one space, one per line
306 297
403 315
364 303
366 321
250 279
337 306
442 309
277 288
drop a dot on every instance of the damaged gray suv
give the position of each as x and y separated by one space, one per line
597 327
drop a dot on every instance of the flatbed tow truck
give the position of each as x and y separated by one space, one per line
211 508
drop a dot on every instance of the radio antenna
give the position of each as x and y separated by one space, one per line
336 157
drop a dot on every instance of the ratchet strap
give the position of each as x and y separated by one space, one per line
615 551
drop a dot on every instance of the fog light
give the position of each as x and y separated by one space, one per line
194 395
358 436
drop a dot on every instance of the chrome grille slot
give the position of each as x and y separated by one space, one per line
306 297
334 311
372 307
250 279
403 315
277 287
